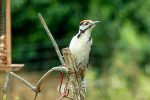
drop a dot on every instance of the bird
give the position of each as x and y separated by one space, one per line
80 47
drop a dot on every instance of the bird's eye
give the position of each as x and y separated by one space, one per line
86 23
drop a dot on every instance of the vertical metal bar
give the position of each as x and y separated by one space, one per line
8 31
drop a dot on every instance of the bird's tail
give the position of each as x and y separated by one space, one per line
83 86
83 82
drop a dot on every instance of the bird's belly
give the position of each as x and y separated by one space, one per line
80 53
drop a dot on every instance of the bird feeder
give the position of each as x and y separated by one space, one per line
5 38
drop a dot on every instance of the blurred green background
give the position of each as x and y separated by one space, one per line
120 60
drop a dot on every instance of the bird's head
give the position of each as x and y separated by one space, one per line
87 25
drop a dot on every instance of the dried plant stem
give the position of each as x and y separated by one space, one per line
23 81
52 39
5 88
54 44
74 76
38 85
60 68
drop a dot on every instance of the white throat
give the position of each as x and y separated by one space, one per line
84 33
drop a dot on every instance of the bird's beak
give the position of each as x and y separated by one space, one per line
96 22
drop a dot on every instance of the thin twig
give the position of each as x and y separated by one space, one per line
59 68
38 85
24 81
36 94
5 88
52 39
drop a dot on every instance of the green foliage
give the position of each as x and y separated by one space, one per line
116 86
124 29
